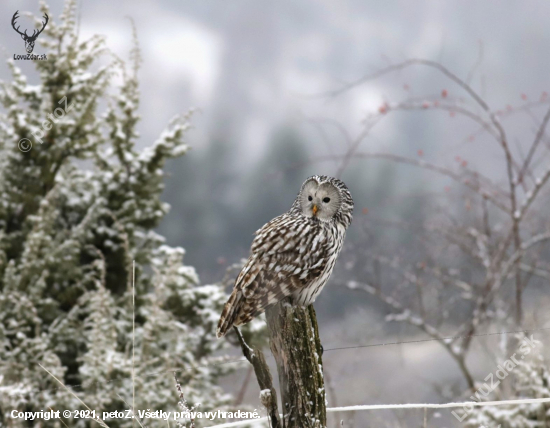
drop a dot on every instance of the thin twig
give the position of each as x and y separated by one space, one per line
133 337
97 418
265 381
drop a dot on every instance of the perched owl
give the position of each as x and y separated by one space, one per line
293 254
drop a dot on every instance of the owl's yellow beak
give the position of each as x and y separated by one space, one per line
315 209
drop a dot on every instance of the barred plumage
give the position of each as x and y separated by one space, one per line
293 254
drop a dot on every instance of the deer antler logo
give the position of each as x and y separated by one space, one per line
29 40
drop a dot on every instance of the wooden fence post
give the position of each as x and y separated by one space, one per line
296 346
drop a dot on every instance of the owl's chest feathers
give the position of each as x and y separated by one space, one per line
316 277
295 255
335 234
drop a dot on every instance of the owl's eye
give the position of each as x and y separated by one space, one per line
326 200
309 198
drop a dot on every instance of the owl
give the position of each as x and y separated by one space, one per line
292 255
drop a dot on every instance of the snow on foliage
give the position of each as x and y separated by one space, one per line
75 211
530 379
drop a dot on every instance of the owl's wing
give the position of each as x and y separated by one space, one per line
287 254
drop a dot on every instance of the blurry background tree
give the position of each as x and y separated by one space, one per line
75 211
477 251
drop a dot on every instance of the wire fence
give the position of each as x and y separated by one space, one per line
402 406
338 348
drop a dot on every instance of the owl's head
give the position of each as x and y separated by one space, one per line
325 198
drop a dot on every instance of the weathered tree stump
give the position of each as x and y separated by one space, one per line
296 346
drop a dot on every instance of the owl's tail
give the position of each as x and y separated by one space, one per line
230 313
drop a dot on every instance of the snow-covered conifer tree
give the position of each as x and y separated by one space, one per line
76 209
